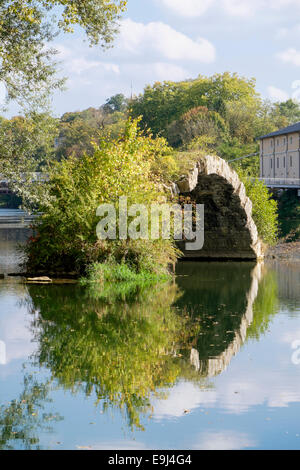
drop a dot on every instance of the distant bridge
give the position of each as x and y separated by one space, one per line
282 183
15 219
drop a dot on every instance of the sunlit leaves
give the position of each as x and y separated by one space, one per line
77 186
28 68
264 208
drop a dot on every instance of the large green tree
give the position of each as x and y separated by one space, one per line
78 131
165 102
26 26
26 143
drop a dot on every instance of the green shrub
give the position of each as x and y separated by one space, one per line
264 208
289 215
66 237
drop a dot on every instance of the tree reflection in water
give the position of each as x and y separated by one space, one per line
23 419
123 352
127 350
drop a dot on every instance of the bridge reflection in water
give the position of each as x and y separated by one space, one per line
225 309
14 229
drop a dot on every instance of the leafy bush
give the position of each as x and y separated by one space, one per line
264 208
195 123
66 237
289 215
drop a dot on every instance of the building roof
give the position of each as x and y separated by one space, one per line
285 130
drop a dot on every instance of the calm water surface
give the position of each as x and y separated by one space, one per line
203 363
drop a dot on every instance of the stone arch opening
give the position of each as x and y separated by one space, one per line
230 232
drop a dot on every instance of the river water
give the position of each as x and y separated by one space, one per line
208 362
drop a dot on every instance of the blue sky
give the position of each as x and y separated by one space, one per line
179 39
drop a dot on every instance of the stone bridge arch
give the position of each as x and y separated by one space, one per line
230 231
212 366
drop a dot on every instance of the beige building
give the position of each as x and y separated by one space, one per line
280 157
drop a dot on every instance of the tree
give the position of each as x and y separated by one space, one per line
26 26
116 103
195 123
67 239
122 353
78 131
26 143
289 214
165 102
24 418
289 109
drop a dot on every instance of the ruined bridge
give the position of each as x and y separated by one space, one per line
230 232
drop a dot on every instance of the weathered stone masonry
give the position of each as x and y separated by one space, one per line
230 232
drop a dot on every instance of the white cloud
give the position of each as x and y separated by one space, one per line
154 72
246 8
142 53
115 75
164 71
239 8
15 335
283 3
281 33
159 40
81 64
224 440
188 8
277 94
63 51
291 56
92 79
184 396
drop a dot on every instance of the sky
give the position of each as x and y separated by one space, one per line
180 39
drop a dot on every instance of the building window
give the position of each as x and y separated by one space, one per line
291 140
271 143
283 162
277 142
284 141
271 163
277 162
291 160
